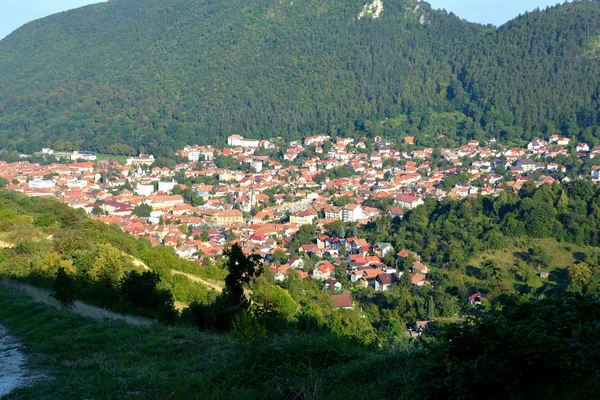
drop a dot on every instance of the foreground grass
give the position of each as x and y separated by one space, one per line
86 359
82 358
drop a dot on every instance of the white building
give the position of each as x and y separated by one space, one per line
75 183
166 186
352 213
83 155
239 141
144 190
41 184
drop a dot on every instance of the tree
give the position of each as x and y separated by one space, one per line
430 308
109 266
97 211
405 280
49 266
67 241
305 234
539 257
336 228
64 288
492 272
279 257
270 298
204 237
241 269
142 210
579 277
141 290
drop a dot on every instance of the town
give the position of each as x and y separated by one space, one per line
261 193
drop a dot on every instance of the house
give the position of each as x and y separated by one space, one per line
41 184
420 268
405 253
476 298
384 281
295 263
322 242
536 144
354 244
332 283
409 201
229 217
369 276
582 147
303 217
418 279
343 301
382 249
332 212
142 159
239 141
352 213
356 275
310 249
323 271
417 329
396 212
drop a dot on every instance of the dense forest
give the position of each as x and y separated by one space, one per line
123 75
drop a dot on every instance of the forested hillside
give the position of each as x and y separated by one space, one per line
115 76
47 243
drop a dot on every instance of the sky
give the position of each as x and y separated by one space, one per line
14 13
495 12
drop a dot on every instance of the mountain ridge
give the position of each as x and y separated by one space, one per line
162 75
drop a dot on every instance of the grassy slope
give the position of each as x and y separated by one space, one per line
87 359
82 358
562 254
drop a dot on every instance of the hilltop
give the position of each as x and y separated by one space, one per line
117 76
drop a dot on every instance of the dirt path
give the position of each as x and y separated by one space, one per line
79 307
195 278
12 364
6 245
218 286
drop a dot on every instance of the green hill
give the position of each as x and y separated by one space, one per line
38 237
119 75
537 349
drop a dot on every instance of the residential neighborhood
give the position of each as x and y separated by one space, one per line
260 194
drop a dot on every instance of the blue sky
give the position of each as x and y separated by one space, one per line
14 13
494 12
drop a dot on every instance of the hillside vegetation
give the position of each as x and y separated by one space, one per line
44 239
124 74
78 358
528 338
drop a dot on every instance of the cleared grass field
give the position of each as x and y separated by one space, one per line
111 157
561 254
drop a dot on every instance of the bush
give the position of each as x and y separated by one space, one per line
527 347
64 288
